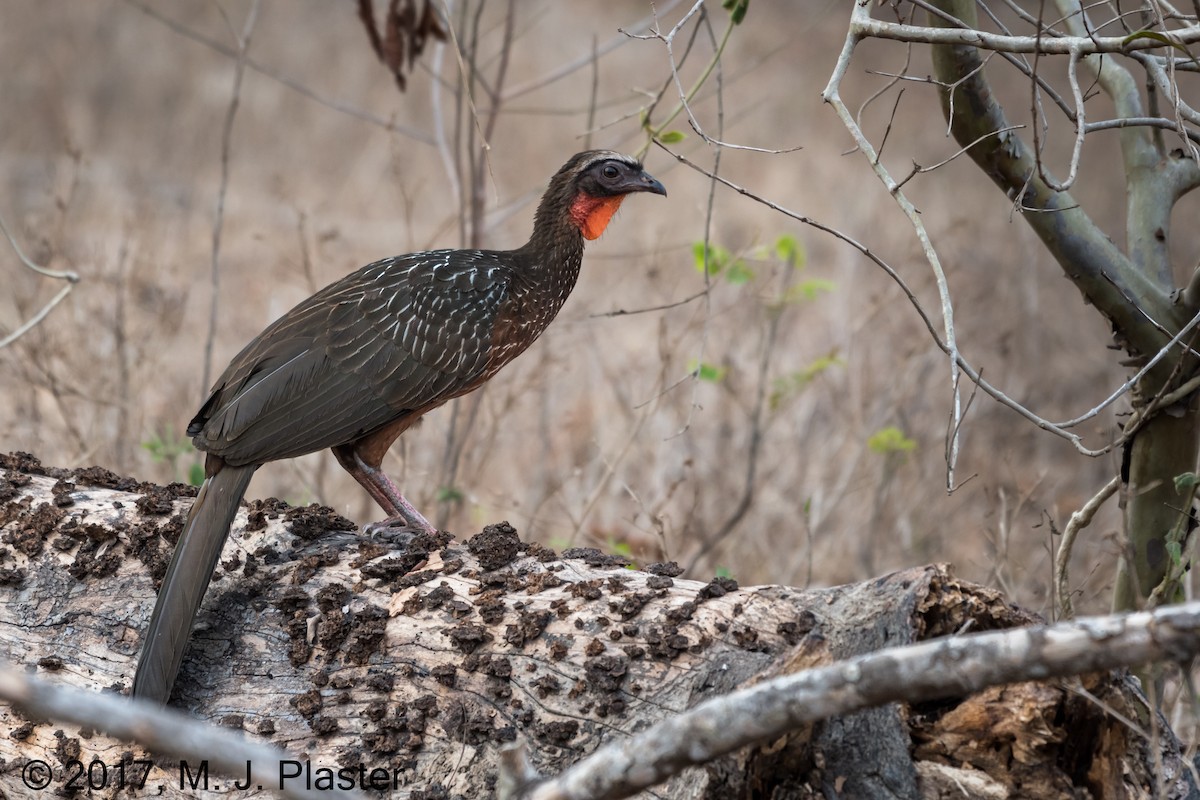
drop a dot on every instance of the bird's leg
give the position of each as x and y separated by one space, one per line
383 491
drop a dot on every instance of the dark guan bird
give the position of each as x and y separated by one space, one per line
360 361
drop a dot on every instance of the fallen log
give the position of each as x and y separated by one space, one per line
417 662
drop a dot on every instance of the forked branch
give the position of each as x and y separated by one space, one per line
70 277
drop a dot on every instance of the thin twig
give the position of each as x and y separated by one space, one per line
243 45
920 170
70 277
1062 558
621 312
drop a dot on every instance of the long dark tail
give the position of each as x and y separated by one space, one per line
186 581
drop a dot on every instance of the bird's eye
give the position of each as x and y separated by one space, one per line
611 172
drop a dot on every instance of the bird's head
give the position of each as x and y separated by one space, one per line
590 187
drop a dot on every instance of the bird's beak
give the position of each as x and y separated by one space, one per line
645 182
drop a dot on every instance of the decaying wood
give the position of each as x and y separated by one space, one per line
424 658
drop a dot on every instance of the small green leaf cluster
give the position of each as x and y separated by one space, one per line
890 440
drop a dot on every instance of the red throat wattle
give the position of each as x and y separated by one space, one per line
592 214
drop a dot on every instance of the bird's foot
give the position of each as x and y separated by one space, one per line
397 530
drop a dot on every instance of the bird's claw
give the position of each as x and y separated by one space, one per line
394 530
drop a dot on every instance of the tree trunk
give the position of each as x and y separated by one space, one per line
424 659
1156 511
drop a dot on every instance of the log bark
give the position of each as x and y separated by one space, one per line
424 658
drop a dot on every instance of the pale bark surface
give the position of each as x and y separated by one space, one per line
425 661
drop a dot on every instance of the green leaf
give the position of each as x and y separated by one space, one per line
1175 551
717 257
706 372
1159 37
737 10
738 273
672 137
789 250
1148 34
1186 483
890 440
723 572
196 474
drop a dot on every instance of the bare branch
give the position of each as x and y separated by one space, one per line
71 278
622 312
243 46
867 26
1062 558
861 19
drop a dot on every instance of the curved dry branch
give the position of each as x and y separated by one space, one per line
1062 557
831 95
70 277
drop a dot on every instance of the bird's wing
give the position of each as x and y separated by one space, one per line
397 336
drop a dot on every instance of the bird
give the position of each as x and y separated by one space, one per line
359 362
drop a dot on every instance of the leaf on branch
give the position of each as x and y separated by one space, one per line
1160 37
790 251
706 372
710 258
737 10
738 273
672 137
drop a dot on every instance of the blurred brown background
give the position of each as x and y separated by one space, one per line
110 163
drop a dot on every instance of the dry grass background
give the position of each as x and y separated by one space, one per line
110 165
